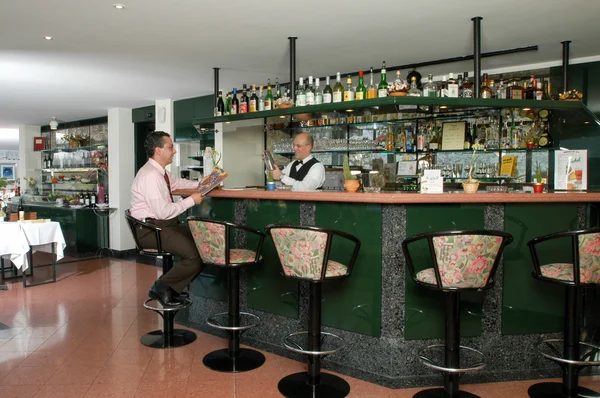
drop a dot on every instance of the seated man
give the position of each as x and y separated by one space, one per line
306 173
152 202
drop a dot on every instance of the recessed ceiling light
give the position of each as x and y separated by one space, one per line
48 37
119 6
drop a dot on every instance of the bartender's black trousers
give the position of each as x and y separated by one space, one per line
177 240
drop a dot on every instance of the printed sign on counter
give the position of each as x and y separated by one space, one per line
432 182
570 170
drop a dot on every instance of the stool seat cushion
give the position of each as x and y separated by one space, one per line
428 276
335 269
237 256
564 272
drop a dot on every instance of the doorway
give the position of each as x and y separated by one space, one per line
142 130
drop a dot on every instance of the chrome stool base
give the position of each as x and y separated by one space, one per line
441 393
555 390
156 339
296 386
220 361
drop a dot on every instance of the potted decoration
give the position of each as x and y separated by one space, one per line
351 183
471 185
538 185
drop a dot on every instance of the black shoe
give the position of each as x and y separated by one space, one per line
164 294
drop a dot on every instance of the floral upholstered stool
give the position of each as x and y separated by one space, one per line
168 337
582 269
304 254
459 261
213 240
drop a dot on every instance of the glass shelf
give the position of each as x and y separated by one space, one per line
80 148
198 157
334 151
72 170
196 168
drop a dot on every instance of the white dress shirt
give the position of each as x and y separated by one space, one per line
313 180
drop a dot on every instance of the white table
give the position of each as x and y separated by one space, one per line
17 240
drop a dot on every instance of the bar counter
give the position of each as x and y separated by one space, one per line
383 317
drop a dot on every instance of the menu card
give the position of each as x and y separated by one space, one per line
212 180
453 135
570 170
432 182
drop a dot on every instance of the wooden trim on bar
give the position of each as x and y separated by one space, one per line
403 197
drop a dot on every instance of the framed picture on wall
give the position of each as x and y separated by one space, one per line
7 171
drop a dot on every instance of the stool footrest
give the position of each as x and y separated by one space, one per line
475 365
554 347
159 307
292 345
247 321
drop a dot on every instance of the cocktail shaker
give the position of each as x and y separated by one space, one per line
268 159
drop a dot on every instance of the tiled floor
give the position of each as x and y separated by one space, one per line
80 337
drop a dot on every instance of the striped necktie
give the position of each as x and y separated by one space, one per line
168 185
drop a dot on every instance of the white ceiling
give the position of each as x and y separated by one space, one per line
102 58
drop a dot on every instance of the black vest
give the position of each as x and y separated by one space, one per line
303 171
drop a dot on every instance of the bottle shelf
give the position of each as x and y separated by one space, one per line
71 170
384 152
198 157
75 149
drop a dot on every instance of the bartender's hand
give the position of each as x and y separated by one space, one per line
197 196
276 173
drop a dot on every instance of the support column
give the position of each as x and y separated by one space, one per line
565 64
120 174
29 160
292 40
216 88
476 55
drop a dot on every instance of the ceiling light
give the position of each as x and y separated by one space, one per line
119 6
53 124
349 110
48 37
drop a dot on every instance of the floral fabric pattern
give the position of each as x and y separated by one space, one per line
210 240
559 271
464 261
302 251
589 258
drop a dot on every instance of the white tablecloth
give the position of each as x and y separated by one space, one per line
16 239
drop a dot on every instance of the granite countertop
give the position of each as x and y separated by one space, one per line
404 197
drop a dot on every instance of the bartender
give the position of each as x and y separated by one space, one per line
306 173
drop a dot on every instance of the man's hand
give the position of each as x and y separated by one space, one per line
197 196
276 173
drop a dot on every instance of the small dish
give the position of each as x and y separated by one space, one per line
102 205
76 206
85 180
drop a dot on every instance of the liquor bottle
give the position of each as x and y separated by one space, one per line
310 92
261 99
349 93
372 89
244 101
318 93
361 90
338 89
382 88
492 86
452 86
460 85
485 91
220 104
228 104
420 136
545 138
410 142
300 93
539 93
430 89
235 103
468 138
516 91
106 198
467 91
93 199
269 97
532 89
501 91
277 89
434 141
253 104
327 92
401 144
414 91
444 87
101 193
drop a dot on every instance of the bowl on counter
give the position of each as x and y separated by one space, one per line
85 180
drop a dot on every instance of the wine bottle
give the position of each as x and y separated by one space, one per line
372 89
327 92
244 101
253 103
235 103
261 99
310 92
361 90
220 104
277 89
338 89
382 89
349 93
300 93
318 93
269 97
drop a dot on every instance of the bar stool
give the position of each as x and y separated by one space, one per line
304 255
583 271
212 239
462 261
168 337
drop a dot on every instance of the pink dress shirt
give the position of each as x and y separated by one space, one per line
150 196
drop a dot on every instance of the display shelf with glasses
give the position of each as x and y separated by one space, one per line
199 167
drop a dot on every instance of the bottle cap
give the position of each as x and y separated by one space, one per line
234 90
360 73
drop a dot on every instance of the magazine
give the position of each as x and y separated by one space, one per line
212 180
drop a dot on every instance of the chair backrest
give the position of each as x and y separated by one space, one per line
134 223
304 251
212 239
461 259
585 252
